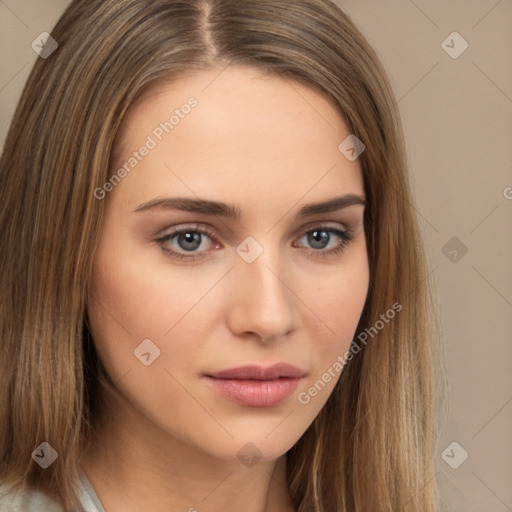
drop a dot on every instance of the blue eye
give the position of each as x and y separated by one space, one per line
183 243
188 240
320 236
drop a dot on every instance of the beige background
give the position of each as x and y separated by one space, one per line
457 116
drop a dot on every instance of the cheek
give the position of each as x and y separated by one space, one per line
125 307
343 293
347 300
130 290
134 298
337 304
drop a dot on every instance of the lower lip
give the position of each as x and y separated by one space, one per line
255 393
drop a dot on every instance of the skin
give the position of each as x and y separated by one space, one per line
167 441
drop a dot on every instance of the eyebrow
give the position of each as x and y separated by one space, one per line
220 209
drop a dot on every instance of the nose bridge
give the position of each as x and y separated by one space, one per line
263 302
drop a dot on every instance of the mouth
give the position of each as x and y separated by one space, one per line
256 386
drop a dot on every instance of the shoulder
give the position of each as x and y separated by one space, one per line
26 501
35 501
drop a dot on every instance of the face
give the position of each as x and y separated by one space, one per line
216 314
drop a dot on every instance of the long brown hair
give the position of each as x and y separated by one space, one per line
371 446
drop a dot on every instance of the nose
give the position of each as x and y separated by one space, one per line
263 304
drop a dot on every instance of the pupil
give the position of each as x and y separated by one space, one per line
318 239
190 238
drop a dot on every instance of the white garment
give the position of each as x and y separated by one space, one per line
34 501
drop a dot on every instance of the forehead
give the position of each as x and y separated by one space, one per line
248 134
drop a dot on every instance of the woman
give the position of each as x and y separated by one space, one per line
214 292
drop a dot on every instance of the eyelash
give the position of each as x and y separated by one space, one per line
345 236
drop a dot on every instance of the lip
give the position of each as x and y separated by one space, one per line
256 386
256 372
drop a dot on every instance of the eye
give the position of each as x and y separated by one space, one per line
186 239
320 237
183 243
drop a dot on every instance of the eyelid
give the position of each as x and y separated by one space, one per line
322 224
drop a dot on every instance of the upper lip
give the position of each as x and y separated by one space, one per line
256 372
